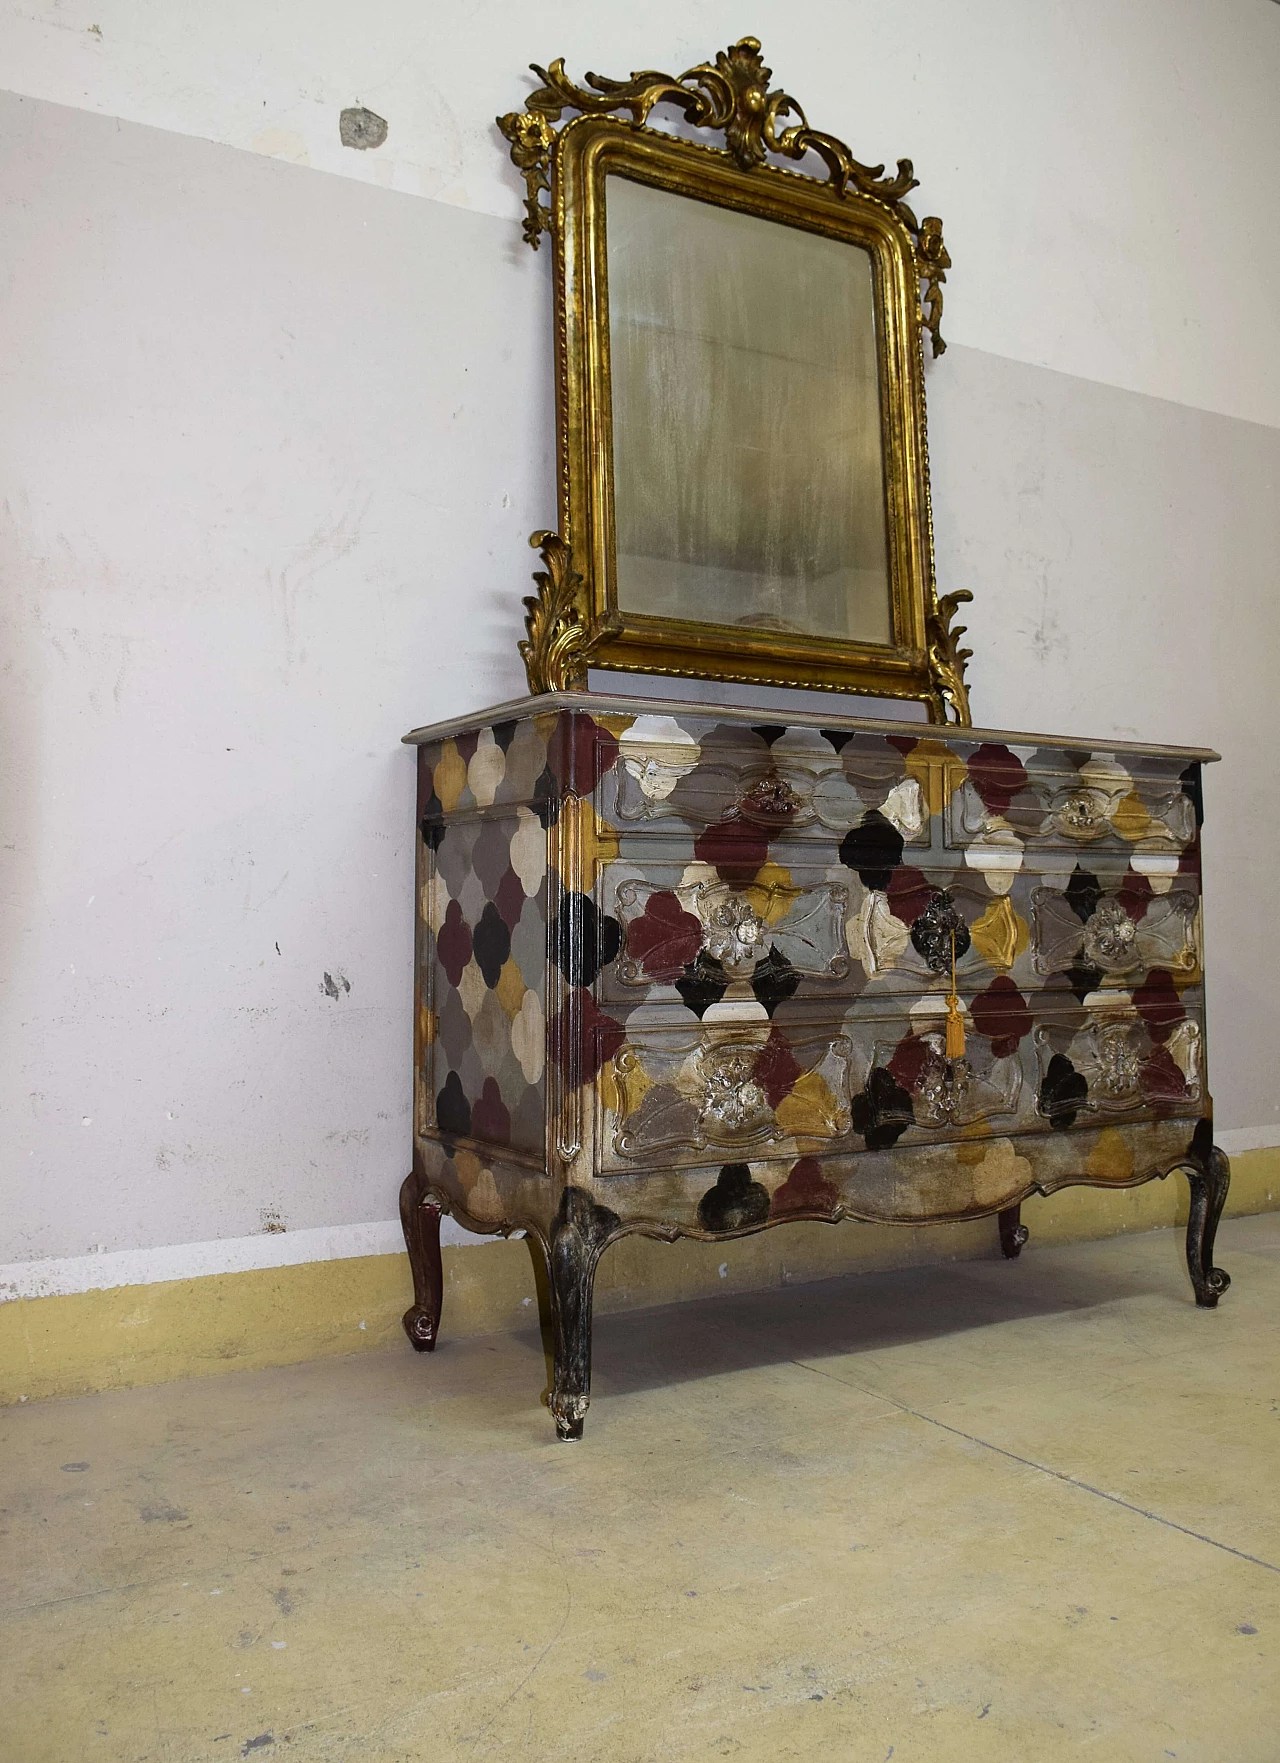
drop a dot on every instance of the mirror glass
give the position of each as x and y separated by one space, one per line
748 463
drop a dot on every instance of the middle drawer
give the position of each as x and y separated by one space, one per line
674 932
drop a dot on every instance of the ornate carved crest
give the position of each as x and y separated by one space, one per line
730 96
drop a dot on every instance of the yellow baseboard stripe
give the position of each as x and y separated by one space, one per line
145 1334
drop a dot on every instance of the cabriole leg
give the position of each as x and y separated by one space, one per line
1013 1233
1209 1178
420 1217
578 1237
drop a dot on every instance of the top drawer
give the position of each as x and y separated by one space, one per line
748 786
764 783
1143 812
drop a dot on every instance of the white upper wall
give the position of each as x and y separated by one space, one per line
1107 170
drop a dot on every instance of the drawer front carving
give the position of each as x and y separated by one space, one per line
796 943
1114 933
663 927
738 1091
721 1094
903 936
1148 812
1122 1061
912 1083
739 928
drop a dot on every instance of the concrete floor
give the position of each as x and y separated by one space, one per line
1010 1512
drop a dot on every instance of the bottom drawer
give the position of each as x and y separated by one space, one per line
717 1093
679 1094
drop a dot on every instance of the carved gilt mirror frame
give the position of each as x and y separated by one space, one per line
576 620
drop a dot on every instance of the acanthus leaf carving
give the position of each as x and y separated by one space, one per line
947 659
560 642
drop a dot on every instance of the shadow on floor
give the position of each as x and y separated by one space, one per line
867 1312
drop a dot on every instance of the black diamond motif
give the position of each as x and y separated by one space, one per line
546 797
585 939
873 848
702 984
773 981
433 821
1062 1090
735 1201
1083 892
491 944
883 1112
453 1111
1083 978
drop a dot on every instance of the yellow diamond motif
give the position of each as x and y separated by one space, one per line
449 777
510 987
1001 934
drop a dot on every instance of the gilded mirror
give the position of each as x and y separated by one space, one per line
743 464
748 469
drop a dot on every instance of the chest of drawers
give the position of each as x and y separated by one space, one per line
688 971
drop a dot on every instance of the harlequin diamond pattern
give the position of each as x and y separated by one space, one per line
1062 883
487 961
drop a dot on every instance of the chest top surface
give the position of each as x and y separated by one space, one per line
602 704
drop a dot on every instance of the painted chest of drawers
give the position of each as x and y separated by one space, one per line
684 971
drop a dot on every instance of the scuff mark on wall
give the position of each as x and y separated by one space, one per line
331 542
1049 640
333 985
358 127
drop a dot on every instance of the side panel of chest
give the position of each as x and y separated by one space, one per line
486 800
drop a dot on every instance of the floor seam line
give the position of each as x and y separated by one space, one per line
104 1591
1043 1468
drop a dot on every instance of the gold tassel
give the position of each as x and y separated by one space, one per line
955 1022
